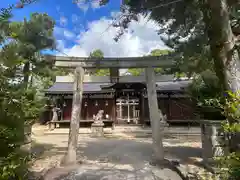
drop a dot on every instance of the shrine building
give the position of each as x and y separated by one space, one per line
124 101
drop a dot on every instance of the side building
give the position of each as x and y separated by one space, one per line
123 102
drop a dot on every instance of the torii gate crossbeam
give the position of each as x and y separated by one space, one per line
164 61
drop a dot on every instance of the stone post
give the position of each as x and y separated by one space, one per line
210 135
97 129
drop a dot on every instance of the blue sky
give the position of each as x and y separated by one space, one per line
81 28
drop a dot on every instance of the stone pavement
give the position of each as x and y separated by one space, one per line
93 172
116 159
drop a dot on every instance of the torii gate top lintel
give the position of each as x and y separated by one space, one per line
113 62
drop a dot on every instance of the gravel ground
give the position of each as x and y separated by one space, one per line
112 158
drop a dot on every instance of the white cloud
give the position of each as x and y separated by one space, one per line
140 39
75 18
95 4
60 45
68 34
84 6
63 32
63 21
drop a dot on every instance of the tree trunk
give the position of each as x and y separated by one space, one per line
222 43
155 115
26 70
71 155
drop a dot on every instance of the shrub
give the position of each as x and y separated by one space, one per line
17 108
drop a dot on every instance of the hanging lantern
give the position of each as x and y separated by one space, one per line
85 104
106 104
64 104
96 103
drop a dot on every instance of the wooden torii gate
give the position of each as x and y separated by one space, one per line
148 62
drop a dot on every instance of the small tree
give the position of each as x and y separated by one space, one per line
30 37
98 72
18 105
155 52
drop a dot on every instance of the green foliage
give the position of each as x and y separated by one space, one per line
159 52
21 44
155 52
98 72
102 72
193 21
230 164
186 26
17 108
97 54
135 71
232 107
205 89
30 37
14 166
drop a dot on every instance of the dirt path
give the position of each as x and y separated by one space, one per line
113 158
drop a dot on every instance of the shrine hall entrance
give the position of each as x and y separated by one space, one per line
128 101
128 110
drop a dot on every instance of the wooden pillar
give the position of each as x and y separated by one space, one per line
142 108
128 106
88 107
71 155
155 115
168 107
134 113
113 116
120 109
62 107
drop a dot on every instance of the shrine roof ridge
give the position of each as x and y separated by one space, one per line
67 87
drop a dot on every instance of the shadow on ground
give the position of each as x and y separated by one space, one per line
111 174
125 156
120 150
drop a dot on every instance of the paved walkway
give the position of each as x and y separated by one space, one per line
120 160
114 158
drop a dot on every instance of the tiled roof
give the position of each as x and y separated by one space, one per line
64 87
67 87
173 85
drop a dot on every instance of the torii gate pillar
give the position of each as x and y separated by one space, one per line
155 114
